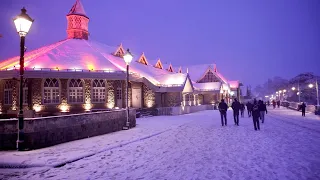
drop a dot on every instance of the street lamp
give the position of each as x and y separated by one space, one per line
127 59
317 91
23 24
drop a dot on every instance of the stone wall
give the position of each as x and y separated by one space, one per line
148 97
173 99
209 98
48 131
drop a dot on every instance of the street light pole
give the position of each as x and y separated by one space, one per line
23 24
127 58
20 139
317 89
299 92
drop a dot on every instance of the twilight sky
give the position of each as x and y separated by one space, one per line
249 40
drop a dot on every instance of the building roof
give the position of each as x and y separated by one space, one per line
198 71
234 84
209 86
81 54
77 9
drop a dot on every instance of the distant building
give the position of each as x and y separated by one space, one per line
78 74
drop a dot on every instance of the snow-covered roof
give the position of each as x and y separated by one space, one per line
196 72
209 86
82 54
234 84
78 9
172 79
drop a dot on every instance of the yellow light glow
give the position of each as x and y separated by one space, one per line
64 107
87 107
310 85
293 88
37 107
149 104
110 105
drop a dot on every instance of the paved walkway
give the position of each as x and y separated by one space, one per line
192 146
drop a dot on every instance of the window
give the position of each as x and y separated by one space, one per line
119 93
75 91
98 91
8 92
209 77
51 91
25 91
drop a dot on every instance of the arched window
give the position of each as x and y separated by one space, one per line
51 91
75 91
8 92
98 91
25 91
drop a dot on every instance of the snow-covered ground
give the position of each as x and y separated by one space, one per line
192 146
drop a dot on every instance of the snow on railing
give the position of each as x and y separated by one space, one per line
70 70
169 85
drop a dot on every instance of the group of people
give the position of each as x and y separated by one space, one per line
274 104
257 110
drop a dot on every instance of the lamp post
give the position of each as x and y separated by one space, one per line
23 23
127 59
317 90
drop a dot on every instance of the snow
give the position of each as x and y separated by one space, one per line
212 86
192 146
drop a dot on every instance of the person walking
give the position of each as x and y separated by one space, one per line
274 104
303 109
249 108
242 108
236 108
263 110
278 103
255 115
223 107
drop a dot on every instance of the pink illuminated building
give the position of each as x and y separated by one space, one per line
78 74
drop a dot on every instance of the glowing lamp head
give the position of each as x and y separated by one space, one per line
23 22
293 88
280 91
231 93
310 85
128 57
284 90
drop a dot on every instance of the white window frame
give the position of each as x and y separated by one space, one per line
77 91
119 94
52 91
98 93
8 90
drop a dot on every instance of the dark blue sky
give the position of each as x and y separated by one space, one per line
249 40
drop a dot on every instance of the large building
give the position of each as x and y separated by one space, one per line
78 74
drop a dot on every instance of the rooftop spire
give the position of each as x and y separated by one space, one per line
78 22
78 9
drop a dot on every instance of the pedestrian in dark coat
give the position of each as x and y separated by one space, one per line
303 109
263 110
274 104
278 103
242 108
223 107
256 115
249 108
236 108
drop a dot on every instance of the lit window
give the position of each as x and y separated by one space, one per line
8 92
119 93
75 91
51 91
98 91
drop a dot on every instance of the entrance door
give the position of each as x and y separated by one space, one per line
136 98
119 97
